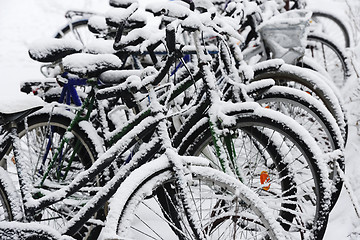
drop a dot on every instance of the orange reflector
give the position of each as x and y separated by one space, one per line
268 107
265 178
13 160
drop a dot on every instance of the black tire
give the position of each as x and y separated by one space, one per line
307 111
262 153
332 26
9 200
329 56
309 82
213 196
39 130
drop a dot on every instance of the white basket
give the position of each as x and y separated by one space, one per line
286 31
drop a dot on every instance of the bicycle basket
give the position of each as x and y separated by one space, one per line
286 32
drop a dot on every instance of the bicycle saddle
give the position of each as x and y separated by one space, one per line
121 3
90 65
16 108
53 49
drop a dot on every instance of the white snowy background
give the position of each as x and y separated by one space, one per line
24 21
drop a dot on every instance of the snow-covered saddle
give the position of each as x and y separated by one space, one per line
122 3
53 49
17 106
90 65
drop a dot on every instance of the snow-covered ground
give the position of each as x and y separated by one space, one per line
24 21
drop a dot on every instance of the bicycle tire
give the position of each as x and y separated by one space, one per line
200 137
309 82
332 26
9 200
34 139
330 56
128 206
307 111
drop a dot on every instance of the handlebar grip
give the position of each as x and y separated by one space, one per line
119 32
130 10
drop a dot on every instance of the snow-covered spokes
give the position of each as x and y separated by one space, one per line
222 110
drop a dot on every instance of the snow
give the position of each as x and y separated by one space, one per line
294 18
24 21
83 63
23 102
99 46
43 49
117 15
21 231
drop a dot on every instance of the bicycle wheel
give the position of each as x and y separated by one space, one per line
77 30
329 56
332 26
51 166
220 207
274 161
309 82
